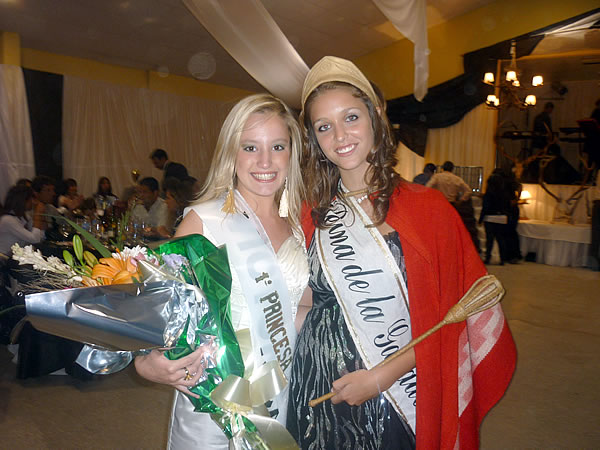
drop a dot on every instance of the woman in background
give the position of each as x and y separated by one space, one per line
104 196
494 216
70 199
388 259
14 225
250 202
178 195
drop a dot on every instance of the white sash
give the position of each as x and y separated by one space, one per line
370 289
252 257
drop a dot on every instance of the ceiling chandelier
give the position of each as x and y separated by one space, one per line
507 90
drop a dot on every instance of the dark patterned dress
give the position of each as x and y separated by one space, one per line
324 352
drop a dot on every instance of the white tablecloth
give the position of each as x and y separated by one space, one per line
556 244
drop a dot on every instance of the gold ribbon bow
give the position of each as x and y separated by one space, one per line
247 396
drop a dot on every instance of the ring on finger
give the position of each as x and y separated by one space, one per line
188 375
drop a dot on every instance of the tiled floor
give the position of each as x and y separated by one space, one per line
553 401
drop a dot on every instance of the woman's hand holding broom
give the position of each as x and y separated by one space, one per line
359 386
483 294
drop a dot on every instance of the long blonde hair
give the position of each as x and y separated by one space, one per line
222 176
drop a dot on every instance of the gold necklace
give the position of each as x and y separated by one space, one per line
361 193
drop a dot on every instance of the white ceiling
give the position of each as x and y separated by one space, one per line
163 35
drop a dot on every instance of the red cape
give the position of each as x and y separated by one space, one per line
465 368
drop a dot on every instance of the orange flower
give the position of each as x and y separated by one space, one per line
115 271
87 281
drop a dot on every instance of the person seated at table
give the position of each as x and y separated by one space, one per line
178 195
87 215
70 199
104 196
43 199
23 182
14 225
88 207
26 182
152 211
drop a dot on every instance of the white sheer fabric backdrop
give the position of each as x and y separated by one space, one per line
410 18
470 142
16 148
409 163
109 130
250 35
234 25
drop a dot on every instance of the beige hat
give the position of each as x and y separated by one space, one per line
331 68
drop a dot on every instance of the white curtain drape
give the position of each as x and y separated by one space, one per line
409 163
109 130
234 25
470 142
250 35
16 148
410 18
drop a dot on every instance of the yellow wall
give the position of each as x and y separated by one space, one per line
448 41
10 48
82 68
188 86
493 23
12 53
85 68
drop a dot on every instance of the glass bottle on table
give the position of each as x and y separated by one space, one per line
99 225
109 224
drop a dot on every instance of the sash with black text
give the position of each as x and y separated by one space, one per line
252 257
371 291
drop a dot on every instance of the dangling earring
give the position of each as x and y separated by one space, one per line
229 205
283 201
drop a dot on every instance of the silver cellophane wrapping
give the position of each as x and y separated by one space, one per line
119 321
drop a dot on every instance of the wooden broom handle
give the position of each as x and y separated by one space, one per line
459 312
407 347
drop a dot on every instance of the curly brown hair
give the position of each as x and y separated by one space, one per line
321 176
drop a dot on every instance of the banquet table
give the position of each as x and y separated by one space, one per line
42 353
556 244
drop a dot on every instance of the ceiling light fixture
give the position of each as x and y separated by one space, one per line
508 88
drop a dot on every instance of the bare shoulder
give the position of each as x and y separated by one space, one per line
191 224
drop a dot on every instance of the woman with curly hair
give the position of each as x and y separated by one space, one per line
388 259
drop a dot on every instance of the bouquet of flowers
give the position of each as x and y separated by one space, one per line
177 297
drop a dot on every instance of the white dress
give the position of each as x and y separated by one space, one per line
189 429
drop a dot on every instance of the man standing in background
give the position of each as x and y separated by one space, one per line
542 126
459 194
452 186
160 159
424 177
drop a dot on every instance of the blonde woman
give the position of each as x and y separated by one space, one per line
250 203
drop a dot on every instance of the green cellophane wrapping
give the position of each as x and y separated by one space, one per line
212 275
